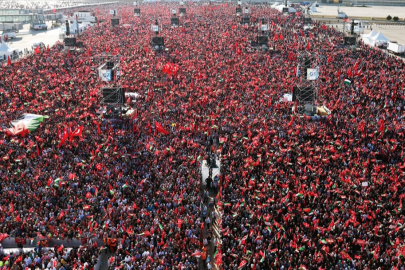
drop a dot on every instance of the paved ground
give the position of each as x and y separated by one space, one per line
370 11
26 37
392 32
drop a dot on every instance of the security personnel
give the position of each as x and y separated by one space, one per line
111 243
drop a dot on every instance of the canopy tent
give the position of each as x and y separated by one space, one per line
376 40
369 35
313 7
74 28
7 51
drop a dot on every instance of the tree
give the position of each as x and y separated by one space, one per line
395 18
389 17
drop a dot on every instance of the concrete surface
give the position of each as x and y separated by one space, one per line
370 11
392 32
26 37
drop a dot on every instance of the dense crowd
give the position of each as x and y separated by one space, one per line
295 193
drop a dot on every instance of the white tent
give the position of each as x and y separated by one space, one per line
371 34
376 40
74 27
7 51
313 7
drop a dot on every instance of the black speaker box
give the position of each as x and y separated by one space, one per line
262 40
158 41
69 41
350 41
115 21
245 20
174 21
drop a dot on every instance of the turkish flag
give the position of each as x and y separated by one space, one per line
160 129
78 132
37 50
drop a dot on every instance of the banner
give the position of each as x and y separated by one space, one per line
312 74
105 75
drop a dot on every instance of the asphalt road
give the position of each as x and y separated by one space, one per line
26 37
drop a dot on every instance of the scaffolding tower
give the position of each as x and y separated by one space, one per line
306 90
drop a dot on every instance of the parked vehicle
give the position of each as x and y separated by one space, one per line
395 47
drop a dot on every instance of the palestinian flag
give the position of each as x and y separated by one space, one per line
56 182
347 82
264 256
242 264
26 123
299 195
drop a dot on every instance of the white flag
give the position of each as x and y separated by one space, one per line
312 74
112 12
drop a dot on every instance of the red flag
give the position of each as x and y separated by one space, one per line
69 53
238 51
47 49
382 125
78 132
8 61
38 150
50 180
330 59
89 52
281 36
65 136
37 50
19 259
21 89
60 248
324 27
160 129
309 46
53 10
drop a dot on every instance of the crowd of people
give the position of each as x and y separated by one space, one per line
295 193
